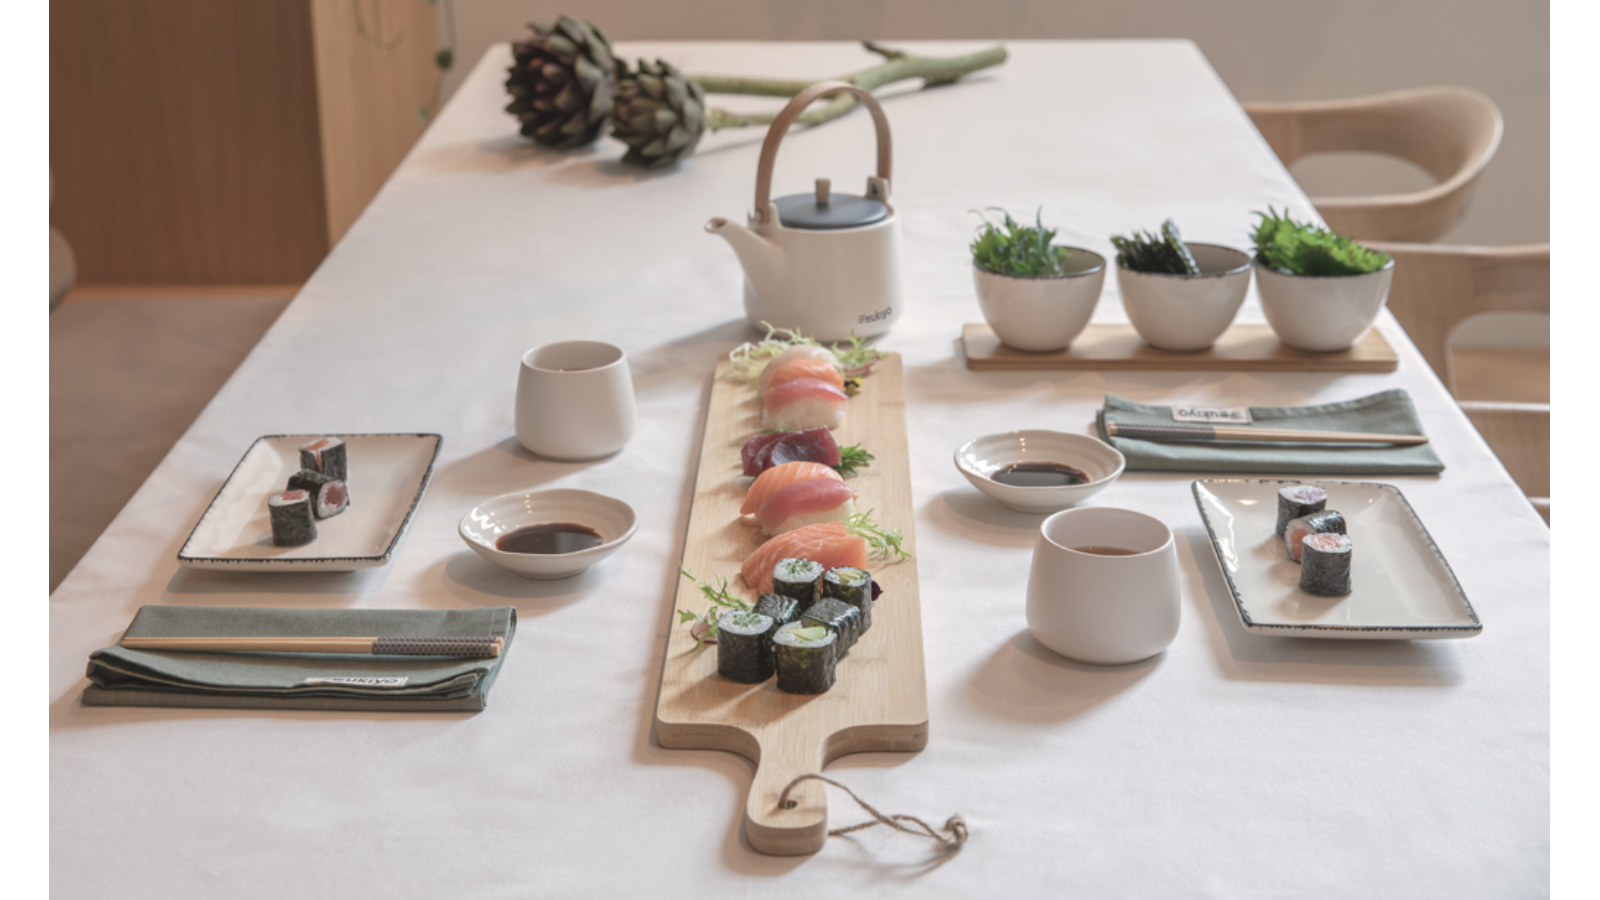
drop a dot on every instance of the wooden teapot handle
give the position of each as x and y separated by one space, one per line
877 188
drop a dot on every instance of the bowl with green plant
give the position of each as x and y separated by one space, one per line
1179 295
1036 294
1321 291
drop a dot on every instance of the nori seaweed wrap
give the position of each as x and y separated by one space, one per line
853 586
797 578
744 646
1296 501
329 495
839 616
326 455
292 522
806 658
1325 565
783 610
1329 521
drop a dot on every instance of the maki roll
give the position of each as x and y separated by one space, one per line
326 455
1298 500
853 586
797 578
744 646
329 496
292 523
1325 565
1329 521
838 616
806 657
783 610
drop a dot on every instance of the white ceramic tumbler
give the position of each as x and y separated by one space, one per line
1104 609
575 400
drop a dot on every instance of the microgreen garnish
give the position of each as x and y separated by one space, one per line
1018 249
859 359
882 540
1163 253
1300 249
719 597
749 359
852 458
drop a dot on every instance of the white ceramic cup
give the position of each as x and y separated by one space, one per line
1104 610
1042 315
575 400
1185 313
1322 313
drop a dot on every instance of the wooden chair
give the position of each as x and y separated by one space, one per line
1451 132
1434 290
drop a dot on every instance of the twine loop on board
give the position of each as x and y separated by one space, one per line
950 837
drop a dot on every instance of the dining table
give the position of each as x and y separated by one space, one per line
1233 764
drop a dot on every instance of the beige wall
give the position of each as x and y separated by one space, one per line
1264 50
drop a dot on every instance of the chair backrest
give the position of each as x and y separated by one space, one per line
1435 288
1451 132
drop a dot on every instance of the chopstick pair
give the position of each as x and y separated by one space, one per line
1196 433
472 647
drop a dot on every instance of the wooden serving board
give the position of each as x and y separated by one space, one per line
880 698
1113 348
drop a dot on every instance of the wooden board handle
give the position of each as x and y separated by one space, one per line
801 829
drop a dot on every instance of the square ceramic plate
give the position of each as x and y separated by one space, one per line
389 473
1403 588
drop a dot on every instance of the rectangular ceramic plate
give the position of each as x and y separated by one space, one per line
1402 587
389 473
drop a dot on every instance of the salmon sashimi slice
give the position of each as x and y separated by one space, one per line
828 544
807 503
779 477
807 368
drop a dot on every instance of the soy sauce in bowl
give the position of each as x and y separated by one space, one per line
1039 474
555 537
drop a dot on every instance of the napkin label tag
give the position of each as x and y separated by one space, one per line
1211 415
361 680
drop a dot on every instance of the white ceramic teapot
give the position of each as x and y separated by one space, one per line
826 264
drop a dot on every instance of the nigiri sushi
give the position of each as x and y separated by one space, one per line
802 403
803 351
779 477
765 451
806 368
806 503
829 544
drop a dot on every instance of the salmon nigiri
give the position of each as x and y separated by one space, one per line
802 403
802 351
829 544
779 477
807 503
807 368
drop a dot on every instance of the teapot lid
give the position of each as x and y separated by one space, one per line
827 210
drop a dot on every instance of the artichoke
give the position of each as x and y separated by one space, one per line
659 113
562 83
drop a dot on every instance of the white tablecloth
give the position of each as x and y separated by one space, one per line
1233 765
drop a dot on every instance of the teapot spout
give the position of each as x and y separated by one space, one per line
762 259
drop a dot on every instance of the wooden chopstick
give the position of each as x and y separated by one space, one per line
1231 433
475 647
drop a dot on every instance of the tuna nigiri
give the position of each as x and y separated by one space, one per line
807 368
829 544
802 351
802 403
812 445
806 503
779 477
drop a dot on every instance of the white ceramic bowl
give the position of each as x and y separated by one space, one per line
1322 313
1187 312
981 457
484 523
1042 315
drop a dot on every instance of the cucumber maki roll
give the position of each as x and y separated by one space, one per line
1296 501
290 512
806 657
1325 565
783 610
797 578
744 646
1329 521
329 496
853 586
839 616
326 455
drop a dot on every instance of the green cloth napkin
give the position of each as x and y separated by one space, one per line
123 677
1388 412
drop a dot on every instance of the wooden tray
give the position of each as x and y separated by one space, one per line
1113 348
880 698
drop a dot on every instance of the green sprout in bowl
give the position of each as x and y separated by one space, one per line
1296 248
1163 254
1016 249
